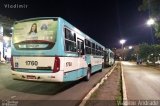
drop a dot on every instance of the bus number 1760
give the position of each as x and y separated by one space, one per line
33 63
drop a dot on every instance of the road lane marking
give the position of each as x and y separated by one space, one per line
123 87
12 97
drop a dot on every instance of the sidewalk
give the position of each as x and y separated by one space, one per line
151 66
4 62
109 93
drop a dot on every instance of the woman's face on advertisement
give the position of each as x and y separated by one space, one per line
33 28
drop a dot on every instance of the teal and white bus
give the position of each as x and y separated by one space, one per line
108 57
52 50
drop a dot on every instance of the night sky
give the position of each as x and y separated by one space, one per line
106 21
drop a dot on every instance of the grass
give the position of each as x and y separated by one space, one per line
119 98
91 101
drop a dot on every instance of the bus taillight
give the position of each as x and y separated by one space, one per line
12 64
56 64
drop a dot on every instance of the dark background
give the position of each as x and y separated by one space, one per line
106 21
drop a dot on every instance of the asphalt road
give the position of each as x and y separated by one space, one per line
41 93
142 83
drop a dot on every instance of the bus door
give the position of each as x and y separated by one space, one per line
104 59
81 56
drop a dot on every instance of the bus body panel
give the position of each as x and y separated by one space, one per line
96 68
96 63
74 68
75 74
88 59
33 62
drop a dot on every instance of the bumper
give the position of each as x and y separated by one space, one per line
42 77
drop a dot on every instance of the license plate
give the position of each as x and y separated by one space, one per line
31 77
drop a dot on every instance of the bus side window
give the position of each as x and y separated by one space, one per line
70 41
108 56
97 50
80 47
87 47
93 49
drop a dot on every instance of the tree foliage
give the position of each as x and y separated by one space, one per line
153 6
130 55
146 50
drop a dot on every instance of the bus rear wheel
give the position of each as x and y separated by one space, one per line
100 70
88 74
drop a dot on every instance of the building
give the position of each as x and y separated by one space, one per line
6 26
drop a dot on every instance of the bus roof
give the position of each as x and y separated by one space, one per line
37 18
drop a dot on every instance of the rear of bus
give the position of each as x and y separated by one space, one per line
36 49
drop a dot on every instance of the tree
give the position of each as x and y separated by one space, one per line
144 51
154 11
150 52
130 55
157 51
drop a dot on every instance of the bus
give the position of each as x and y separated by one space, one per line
108 57
52 50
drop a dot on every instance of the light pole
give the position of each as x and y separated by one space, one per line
122 41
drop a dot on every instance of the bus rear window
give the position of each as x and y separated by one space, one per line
34 45
37 34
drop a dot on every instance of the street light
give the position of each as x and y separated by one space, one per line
130 47
150 22
122 41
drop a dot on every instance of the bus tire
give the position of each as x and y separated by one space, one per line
100 70
87 77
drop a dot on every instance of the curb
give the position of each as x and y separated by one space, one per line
123 87
96 87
